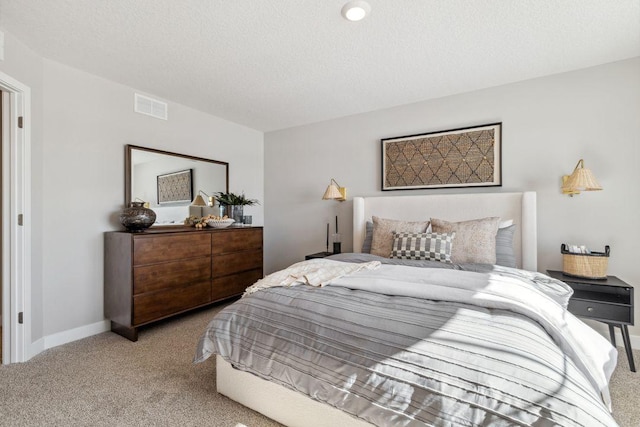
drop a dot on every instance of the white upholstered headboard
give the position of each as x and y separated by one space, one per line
521 207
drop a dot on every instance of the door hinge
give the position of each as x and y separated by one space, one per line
20 122
20 318
20 219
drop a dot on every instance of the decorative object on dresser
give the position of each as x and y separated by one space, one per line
137 217
220 223
162 272
608 300
581 179
234 204
466 157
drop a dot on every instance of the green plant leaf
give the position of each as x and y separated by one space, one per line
235 199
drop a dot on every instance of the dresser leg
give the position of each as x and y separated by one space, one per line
627 347
612 334
129 333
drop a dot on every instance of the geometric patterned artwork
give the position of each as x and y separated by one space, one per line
467 157
175 187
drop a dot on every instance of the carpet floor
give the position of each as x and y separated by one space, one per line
106 380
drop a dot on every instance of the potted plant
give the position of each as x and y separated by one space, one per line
234 204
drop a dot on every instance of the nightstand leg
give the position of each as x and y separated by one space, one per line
627 346
612 334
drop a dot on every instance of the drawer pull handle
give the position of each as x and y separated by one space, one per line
589 308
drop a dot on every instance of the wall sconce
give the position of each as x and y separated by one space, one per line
199 207
581 179
335 192
199 201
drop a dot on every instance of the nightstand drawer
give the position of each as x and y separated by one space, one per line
601 311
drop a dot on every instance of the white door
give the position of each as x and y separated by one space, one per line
14 220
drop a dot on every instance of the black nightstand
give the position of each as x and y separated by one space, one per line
318 255
608 301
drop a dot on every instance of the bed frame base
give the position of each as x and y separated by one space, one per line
279 403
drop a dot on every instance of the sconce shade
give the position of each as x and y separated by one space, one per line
335 192
198 201
581 179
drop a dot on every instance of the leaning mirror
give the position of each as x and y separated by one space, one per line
170 181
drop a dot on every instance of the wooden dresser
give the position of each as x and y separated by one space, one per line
162 272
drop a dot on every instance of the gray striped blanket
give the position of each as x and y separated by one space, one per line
402 346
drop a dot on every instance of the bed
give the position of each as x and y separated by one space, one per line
397 342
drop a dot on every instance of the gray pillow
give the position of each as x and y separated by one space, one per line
368 237
505 255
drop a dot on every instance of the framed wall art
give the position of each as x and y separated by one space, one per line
175 187
466 157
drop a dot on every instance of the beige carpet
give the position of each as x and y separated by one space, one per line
105 380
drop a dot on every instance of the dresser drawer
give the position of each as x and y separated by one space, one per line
237 262
236 240
155 249
154 277
155 305
601 311
235 284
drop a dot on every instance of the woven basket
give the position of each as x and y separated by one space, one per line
586 266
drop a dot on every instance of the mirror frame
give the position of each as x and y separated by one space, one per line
127 167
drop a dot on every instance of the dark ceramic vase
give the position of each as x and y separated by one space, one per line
137 218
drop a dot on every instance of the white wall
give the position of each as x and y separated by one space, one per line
88 121
80 125
548 125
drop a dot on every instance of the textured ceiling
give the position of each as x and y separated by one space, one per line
280 63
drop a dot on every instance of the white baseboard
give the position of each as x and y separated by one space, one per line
34 349
75 334
635 340
65 337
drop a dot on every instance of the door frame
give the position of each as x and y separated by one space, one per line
16 201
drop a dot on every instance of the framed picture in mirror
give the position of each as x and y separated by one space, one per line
175 187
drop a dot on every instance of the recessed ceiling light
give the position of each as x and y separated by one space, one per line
356 10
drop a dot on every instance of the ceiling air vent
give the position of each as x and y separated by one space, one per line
150 107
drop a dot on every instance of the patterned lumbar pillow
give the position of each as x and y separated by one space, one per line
429 246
